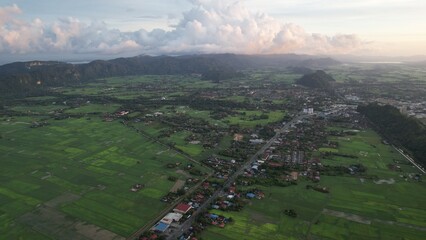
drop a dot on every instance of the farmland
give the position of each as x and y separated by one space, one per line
96 162
69 160
72 155
371 72
253 118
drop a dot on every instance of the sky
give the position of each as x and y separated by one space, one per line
92 29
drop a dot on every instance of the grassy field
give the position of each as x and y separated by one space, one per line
95 161
370 152
273 76
71 179
132 87
79 171
376 72
205 115
250 119
185 110
180 143
264 219
38 109
355 208
95 108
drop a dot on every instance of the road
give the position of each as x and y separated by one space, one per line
175 233
409 159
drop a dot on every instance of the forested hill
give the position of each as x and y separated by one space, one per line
22 77
408 132
318 79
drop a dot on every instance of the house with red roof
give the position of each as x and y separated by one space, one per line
182 208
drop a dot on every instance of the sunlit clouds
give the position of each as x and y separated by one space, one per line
208 26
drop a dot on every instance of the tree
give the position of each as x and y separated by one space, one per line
180 192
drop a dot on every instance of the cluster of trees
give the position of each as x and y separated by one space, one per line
345 155
407 131
238 150
290 212
266 181
266 132
318 188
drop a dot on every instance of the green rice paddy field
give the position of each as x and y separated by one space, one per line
250 118
132 87
378 72
355 208
73 177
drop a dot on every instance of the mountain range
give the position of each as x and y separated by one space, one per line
25 77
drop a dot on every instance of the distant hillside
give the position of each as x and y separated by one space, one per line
318 63
318 79
25 77
418 64
301 70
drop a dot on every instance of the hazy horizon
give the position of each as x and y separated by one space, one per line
88 30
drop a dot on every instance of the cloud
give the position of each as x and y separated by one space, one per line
7 13
67 35
228 26
211 26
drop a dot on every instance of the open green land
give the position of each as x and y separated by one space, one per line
385 206
273 76
133 87
69 161
252 118
70 178
94 108
77 171
369 72
38 109
192 113
371 152
264 219
179 140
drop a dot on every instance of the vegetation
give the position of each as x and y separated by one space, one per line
89 173
219 74
107 154
355 207
409 132
33 77
318 79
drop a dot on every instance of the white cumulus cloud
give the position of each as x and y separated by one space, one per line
211 26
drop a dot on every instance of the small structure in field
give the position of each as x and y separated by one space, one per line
137 187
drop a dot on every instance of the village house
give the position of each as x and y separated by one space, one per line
294 176
171 217
182 208
123 113
256 141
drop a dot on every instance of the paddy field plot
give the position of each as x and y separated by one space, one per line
249 119
93 161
